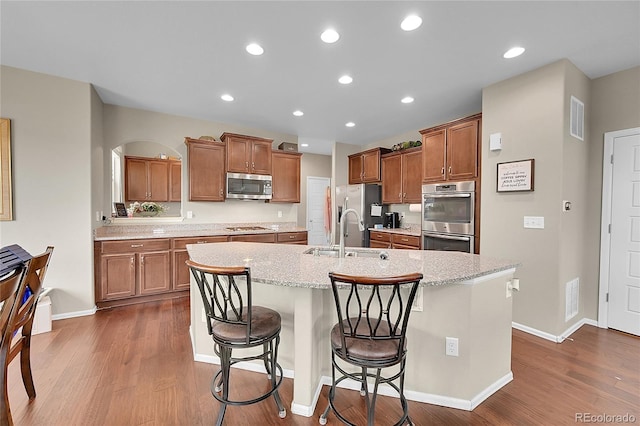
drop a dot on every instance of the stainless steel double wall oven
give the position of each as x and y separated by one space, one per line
448 216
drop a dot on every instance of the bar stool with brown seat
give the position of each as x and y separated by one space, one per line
373 315
235 323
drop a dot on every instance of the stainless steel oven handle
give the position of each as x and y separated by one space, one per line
460 195
448 237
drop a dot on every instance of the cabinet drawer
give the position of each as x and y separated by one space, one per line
407 240
290 237
135 246
255 238
181 243
380 236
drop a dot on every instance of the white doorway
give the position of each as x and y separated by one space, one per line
317 209
619 304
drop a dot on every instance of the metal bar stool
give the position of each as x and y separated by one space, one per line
236 324
370 334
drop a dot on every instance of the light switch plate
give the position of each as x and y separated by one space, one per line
534 222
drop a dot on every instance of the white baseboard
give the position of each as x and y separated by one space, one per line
307 410
548 336
75 314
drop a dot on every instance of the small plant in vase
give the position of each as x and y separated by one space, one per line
147 209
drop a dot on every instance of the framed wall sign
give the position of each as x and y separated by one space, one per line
121 210
515 176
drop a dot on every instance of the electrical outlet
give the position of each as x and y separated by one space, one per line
451 346
279 213
189 214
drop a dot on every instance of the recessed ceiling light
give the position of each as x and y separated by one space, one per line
330 36
255 49
513 52
411 22
350 124
304 145
298 113
406 100
345 79
226 97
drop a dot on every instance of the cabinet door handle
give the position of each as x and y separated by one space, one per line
405 239
221 192
131 264
442 171
449 169
142 260
246 164
253 166
137 245
292 236
404 195
201 242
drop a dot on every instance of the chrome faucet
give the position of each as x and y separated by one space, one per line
342 221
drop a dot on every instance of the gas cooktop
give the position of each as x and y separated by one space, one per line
246 228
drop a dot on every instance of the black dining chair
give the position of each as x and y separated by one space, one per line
373 315
235 323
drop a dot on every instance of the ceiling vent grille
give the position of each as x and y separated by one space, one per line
576 124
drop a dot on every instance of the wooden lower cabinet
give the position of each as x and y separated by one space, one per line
127 269
181 274
134 271
387 239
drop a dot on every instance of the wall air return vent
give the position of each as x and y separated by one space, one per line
576 124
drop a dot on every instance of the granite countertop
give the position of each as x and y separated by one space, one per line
165 230
413 230
286 265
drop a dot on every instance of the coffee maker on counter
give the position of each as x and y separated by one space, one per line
391 220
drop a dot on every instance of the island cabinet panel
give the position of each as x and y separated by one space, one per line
292 237
206 170
181 275
248 154
286 177
254 238
401 172
146 179
450 151
131 268
364 167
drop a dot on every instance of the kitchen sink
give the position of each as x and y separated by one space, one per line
334 252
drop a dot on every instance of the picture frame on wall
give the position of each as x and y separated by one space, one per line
6 203
516 176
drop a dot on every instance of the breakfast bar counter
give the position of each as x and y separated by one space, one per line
463 296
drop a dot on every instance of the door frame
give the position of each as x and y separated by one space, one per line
605 236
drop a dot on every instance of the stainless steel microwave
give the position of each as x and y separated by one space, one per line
249 187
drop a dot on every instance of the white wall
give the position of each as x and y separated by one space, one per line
52 151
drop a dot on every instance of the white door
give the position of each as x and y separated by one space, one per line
624 267
317 209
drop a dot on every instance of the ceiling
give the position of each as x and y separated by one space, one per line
179 57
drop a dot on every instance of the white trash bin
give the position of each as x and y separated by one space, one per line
42 318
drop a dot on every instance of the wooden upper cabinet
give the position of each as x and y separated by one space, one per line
286 177
462 151
206 170
450 151
247 154
147 179
401 177
392 179
411 173
364 167
175 181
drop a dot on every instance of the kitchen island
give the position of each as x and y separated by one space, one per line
463 296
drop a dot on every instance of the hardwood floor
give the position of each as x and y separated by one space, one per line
134 365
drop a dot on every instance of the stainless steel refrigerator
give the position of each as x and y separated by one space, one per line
361 198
